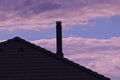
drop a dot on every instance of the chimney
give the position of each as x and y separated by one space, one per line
59 38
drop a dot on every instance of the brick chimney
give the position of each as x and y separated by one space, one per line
59 38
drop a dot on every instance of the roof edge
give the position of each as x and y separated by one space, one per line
65 60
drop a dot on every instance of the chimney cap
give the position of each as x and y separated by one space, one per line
59 22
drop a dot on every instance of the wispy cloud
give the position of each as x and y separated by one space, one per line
40 14
101 55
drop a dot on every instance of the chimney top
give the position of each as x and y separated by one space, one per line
59 22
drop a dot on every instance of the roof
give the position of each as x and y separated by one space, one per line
48 53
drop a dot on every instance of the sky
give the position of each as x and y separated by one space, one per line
91 29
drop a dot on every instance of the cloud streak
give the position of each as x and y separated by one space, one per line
101 55
40 14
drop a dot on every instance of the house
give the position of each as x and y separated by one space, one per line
22 60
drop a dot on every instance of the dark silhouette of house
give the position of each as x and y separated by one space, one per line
22 60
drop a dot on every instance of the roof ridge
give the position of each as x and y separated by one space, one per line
25 42
30 44
65 60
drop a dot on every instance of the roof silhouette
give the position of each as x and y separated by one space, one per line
22 60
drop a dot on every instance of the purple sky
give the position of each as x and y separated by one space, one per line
91 29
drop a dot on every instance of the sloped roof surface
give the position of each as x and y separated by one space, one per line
22 60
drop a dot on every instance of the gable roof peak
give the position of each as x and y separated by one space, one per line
16 37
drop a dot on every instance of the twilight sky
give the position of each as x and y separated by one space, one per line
91 29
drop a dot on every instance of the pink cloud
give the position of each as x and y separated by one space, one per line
101 55
41 14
